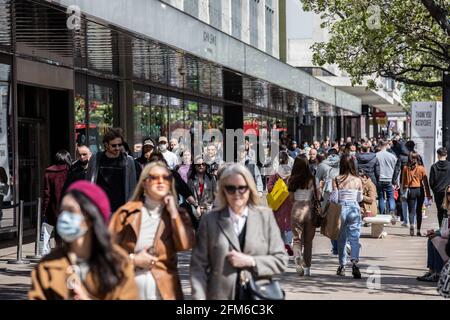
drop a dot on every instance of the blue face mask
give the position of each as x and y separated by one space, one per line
69 226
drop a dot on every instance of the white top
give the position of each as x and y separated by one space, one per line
238 220
151 216
171 159
346 195
303 194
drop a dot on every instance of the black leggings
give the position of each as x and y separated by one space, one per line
420 201
413 197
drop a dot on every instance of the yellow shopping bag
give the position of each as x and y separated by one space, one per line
278 195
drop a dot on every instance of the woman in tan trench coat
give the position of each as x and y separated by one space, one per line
152 229
88 266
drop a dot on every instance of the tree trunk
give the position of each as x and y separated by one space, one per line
446 111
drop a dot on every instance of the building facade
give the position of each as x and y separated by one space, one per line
299 30
70 69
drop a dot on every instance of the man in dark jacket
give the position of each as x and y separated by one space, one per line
440 180
368 162
78 169
113 169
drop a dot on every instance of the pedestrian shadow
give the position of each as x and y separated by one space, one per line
14 291
15 273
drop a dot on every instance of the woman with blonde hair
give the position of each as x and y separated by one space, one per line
152 229
238 235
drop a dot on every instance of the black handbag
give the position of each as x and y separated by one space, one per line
265 289
316 209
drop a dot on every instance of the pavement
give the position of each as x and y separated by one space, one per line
389 268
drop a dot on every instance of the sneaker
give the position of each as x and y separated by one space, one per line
355 272
393 218
289 250
307 272
418 233
299 266
425 276
424 217
340 271
431 278
411 231
404 224
334 253
366 225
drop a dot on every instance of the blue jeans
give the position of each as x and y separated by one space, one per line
334 246
287 237
434 260
405 211
350 231
382 188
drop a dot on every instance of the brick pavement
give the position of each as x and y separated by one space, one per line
399 257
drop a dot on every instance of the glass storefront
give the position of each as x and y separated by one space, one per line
6 150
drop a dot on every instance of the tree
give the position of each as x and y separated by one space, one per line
406 40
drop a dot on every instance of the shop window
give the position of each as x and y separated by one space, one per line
176 112
142 117
100 114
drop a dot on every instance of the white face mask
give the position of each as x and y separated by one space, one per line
69 226
162 147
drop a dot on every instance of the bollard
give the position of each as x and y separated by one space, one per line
36 255
19 259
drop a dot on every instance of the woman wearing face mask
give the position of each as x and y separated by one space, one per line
152 229
88 265
239 236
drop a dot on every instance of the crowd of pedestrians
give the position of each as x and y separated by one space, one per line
120 221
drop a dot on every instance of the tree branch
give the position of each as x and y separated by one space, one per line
420 83
438 14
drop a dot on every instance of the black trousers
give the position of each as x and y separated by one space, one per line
420 201
439 198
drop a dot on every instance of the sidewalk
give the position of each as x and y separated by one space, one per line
399 257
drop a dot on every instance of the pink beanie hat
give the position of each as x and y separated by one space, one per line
95 194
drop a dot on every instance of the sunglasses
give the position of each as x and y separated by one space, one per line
201 165
233 189
117 145
154 178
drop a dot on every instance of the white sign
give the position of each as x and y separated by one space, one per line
423 130
4 133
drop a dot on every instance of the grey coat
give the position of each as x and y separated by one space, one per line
212 276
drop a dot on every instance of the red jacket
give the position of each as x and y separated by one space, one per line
54 179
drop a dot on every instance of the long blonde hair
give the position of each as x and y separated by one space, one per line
139 191
234 169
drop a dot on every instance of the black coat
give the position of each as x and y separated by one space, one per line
369 163
440 176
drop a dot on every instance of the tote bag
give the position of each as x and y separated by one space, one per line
278 195
331 225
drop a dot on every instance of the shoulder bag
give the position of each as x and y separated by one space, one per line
265 289
331 225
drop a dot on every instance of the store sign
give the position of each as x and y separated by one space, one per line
211 41
424 124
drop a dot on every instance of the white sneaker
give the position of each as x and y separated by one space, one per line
404 224
393 218
299 266
307 272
